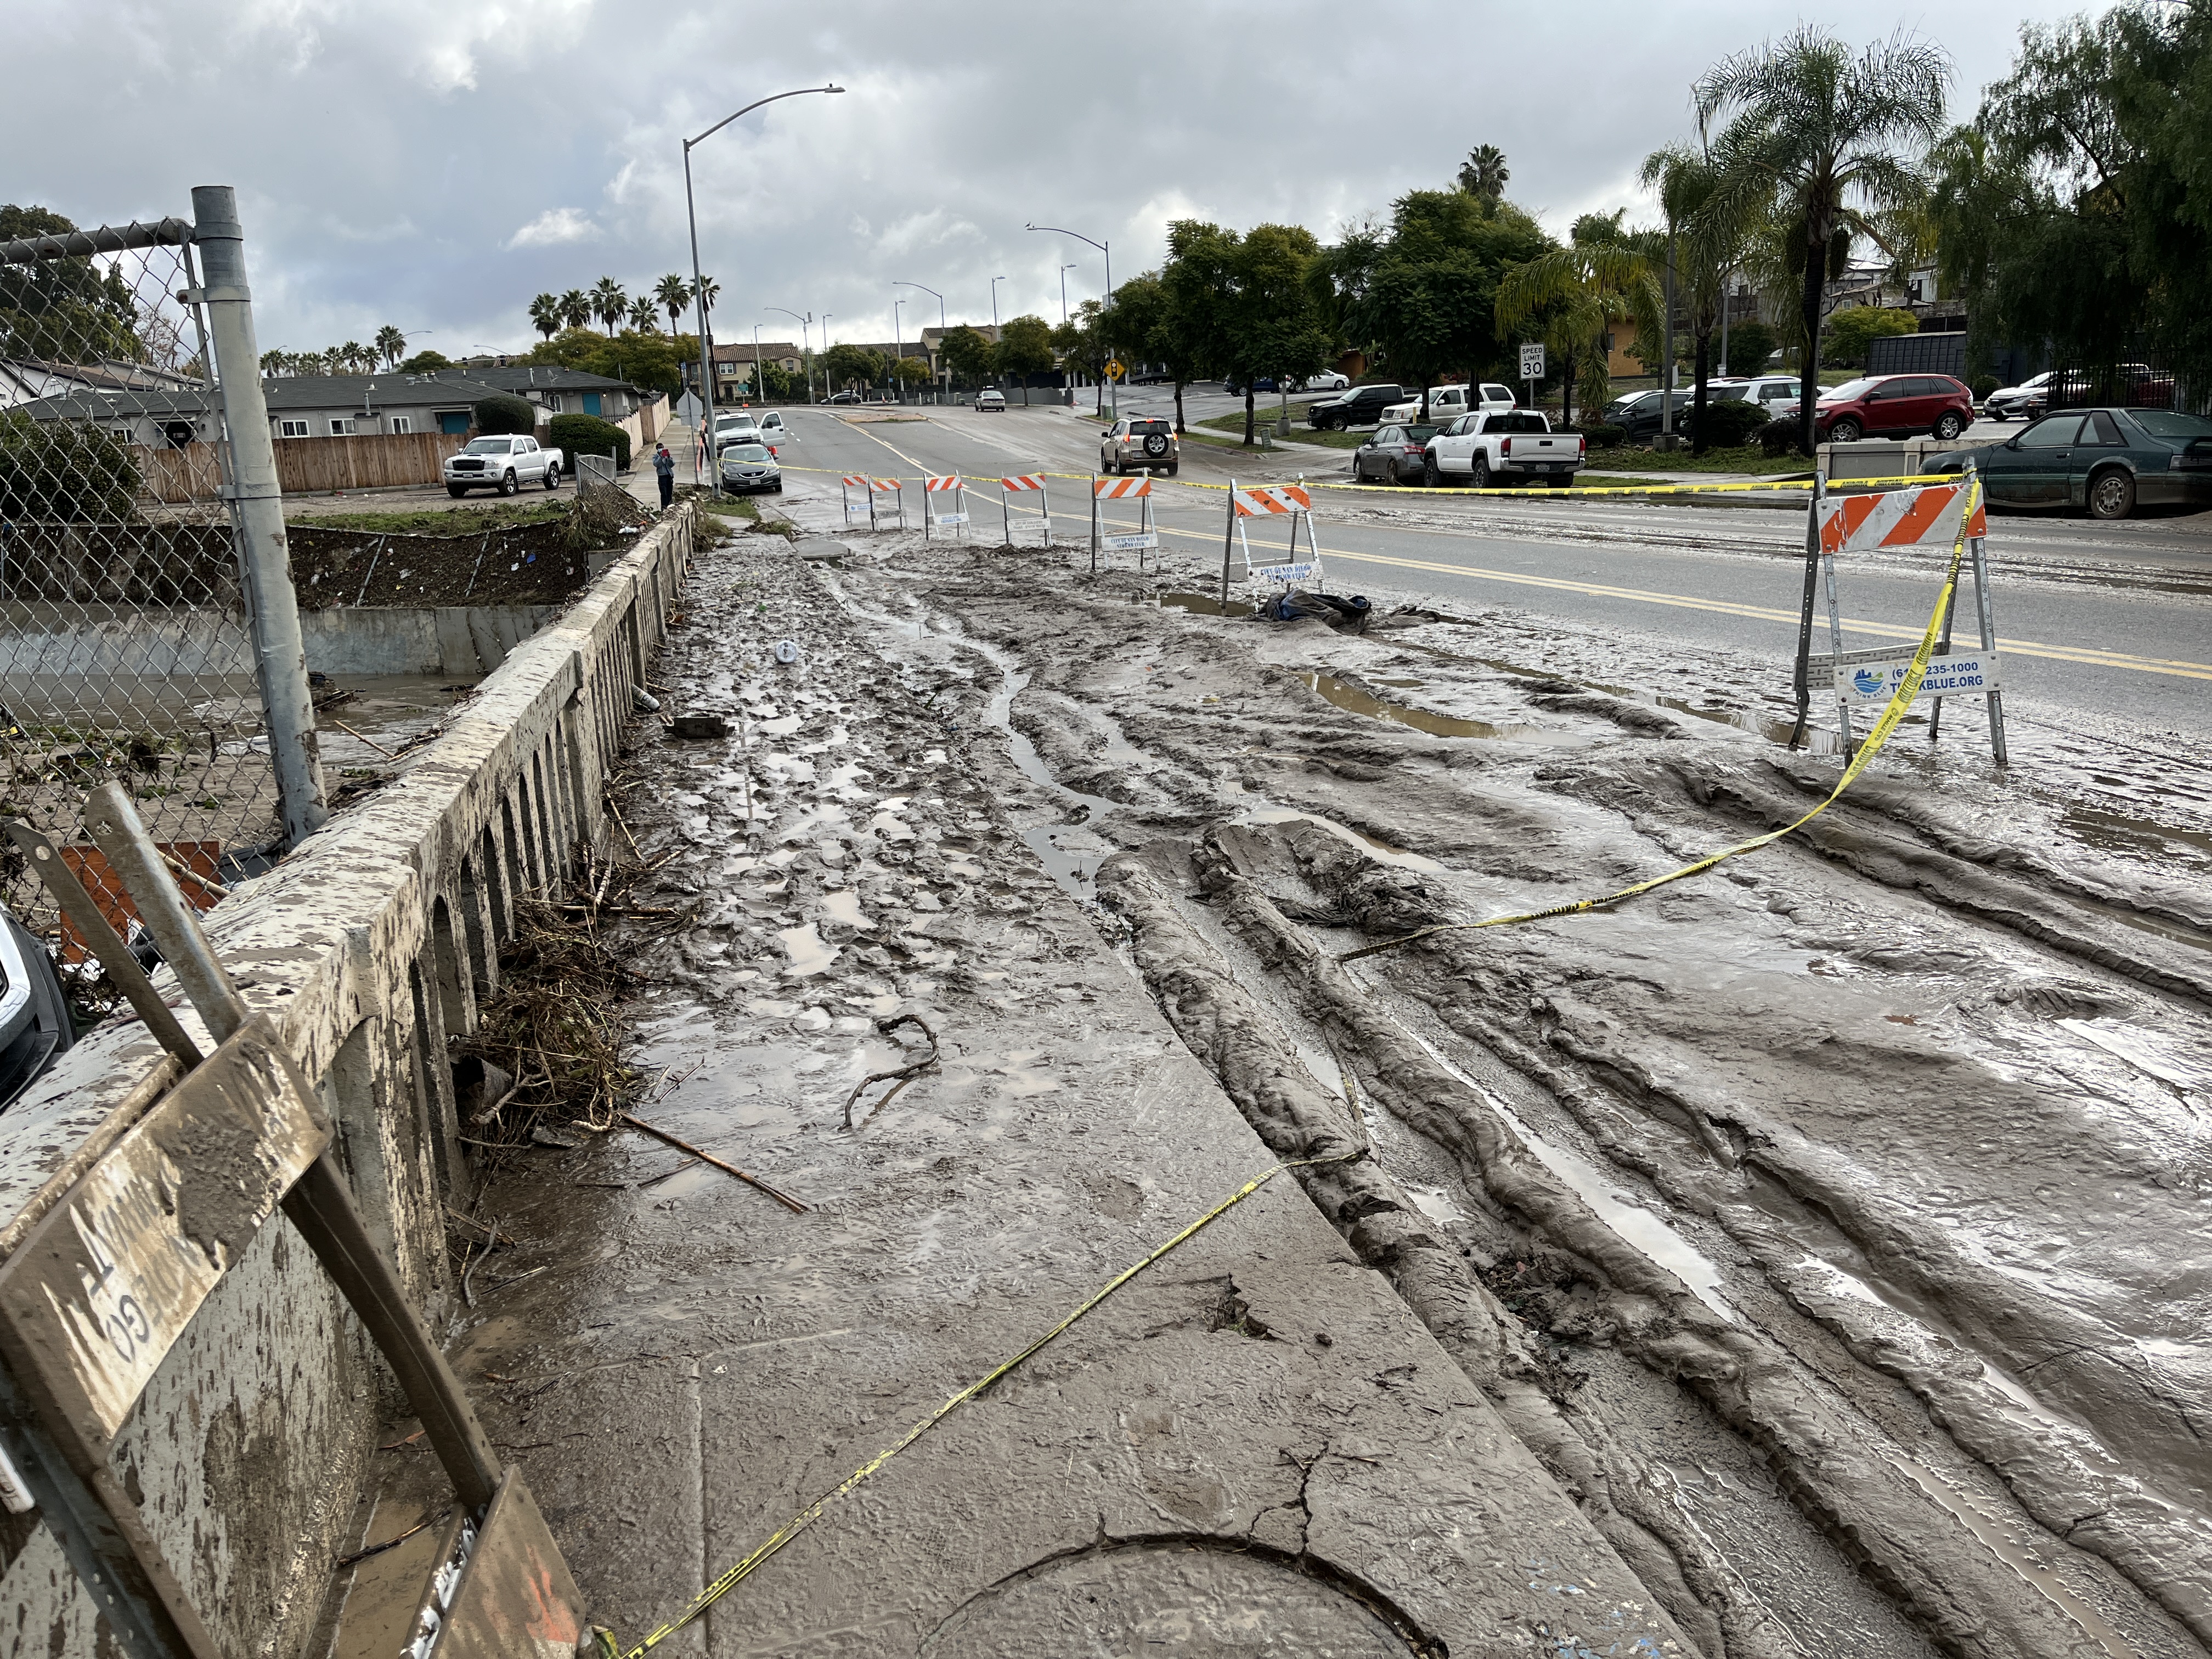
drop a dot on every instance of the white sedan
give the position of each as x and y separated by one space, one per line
1328 380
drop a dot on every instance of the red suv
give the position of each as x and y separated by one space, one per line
1890 406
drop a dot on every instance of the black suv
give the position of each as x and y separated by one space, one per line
1361 406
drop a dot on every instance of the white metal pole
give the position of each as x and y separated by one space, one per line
279 656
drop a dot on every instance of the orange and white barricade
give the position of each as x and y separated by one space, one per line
892 488
933 490
1936 517
1027 484
863 509
1291 502
1145 536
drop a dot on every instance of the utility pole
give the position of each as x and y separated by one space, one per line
898 352
1666 353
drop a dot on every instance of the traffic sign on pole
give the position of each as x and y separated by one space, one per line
1532 360
1113 369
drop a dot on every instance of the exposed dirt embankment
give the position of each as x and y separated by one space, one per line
1833 1225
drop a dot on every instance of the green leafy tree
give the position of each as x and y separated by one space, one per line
62 311
1024 348
1198 287
2077 207
1483 175
1850 331
547 314
1824 140
968 353
64 471
1274 327
641 358
426 362
910 372
1750 344
848 367
1142 325
1080 343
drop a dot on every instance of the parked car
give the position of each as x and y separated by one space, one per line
1393 454
991 400
34 1017
1236 388
750 467
1449 403
1140 443
1638 414
504 464
737 425
2109 460
846 396
1769 390
1362 405
1889 406
1328 380
1501 444
2022 402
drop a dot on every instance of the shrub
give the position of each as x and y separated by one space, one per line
587 435
1983 386
1750 344
1603 437
1778 437
64 472
1851 330
1730 425
505 413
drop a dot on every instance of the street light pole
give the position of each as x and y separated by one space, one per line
898 351
1113 392
691 214
995 281
1064 269
926 289
806 346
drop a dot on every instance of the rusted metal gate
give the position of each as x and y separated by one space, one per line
109 1279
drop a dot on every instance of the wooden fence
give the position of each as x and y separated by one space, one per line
306 466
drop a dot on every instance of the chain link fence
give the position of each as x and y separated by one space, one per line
131 649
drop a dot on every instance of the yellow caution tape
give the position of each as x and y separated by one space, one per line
807 1517
1907 688
1564 492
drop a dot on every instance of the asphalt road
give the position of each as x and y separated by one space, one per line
2110 618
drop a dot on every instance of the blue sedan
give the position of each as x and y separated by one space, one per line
2108 460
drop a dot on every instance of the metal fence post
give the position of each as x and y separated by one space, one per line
280 658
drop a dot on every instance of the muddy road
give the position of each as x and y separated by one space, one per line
1811 1258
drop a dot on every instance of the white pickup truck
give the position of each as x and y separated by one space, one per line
1480 447
504 464
1449 403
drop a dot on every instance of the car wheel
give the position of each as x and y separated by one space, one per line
552 477
1846 431
457 490
1481 476
2111 494
1949 426
1430 475
506 484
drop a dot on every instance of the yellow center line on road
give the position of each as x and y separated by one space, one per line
2087 655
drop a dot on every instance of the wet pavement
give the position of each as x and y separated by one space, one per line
1810 1258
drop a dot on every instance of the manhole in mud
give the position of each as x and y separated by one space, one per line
1170 1598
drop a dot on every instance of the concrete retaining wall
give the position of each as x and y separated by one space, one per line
370 946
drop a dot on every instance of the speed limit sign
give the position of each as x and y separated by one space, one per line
1532 362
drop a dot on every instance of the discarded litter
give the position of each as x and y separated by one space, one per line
787 651
699 725
1345 615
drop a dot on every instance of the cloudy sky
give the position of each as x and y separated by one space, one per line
433 164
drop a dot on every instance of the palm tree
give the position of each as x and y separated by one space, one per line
391 345
575 309
1484 174
644 315
1813 138
353 354
1705 242
608 303
708 292
1578 294
673 294
545 314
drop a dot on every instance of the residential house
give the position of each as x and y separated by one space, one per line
733 366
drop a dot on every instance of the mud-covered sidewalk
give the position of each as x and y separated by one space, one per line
1809 1259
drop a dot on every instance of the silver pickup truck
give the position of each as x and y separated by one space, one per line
1480 447
504 464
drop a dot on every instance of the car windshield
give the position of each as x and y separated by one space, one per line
746 452
2165 423
488 447
1847 390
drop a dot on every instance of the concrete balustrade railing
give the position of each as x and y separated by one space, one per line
371 946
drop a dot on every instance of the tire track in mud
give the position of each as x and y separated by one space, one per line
1988 1596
